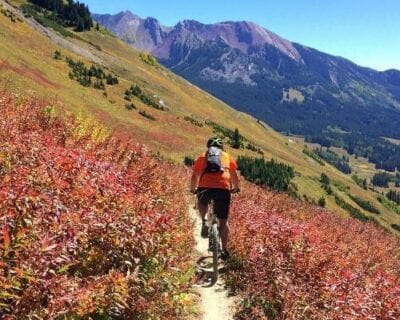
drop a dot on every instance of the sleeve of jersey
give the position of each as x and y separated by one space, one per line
199 165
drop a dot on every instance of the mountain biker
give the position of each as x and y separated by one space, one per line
215 185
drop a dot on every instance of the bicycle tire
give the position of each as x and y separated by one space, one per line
215 250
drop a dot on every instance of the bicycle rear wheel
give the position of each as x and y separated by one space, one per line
215 250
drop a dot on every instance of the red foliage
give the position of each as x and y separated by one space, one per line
86 228
293 261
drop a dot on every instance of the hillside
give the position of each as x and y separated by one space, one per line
178 130
96 228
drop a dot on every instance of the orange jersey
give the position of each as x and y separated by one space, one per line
219 180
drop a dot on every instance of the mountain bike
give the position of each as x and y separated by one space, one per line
214 237
214 240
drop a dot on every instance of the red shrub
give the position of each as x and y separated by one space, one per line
86 227
293 261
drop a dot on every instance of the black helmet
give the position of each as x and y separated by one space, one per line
215 142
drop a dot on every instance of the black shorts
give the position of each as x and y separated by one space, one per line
221 197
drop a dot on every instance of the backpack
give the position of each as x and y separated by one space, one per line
213 157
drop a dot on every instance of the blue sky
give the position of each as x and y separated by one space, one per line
364 31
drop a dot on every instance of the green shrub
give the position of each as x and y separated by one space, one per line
396 227
193 121
366 205
130 106
341 186
322 202
57 55
341 163
188 161
147 115
136 91
266 173
149 59
388 204
313 155
354 212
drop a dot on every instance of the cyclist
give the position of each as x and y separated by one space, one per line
215 184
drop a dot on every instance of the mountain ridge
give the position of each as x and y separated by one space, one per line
253 69
245 31
127 13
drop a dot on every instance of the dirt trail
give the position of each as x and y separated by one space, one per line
215 302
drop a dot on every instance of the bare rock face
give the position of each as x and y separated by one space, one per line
148 34
179 44
144 34
245 36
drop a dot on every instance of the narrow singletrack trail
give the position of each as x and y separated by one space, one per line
216 304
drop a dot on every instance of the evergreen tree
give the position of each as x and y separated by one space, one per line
80 25
236 139
324 179
266 173
70 14
365 184
393 196
381 179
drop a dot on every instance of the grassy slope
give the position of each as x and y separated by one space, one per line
26 64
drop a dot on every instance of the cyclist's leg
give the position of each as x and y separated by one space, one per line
222 202
224 231
203 199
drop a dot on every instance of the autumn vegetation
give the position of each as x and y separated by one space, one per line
90 227
293 261
94 227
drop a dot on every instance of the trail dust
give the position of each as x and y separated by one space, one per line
216 304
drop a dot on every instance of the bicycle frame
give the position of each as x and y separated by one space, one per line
214 239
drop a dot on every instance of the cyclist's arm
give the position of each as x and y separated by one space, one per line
194 181
197 172
234 174
235 179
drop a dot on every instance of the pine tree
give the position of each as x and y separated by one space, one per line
80 25
364 184
236 139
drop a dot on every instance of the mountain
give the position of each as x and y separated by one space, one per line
294 88
144 34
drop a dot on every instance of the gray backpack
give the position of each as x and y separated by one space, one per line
213 157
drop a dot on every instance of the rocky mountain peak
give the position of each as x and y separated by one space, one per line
150 35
